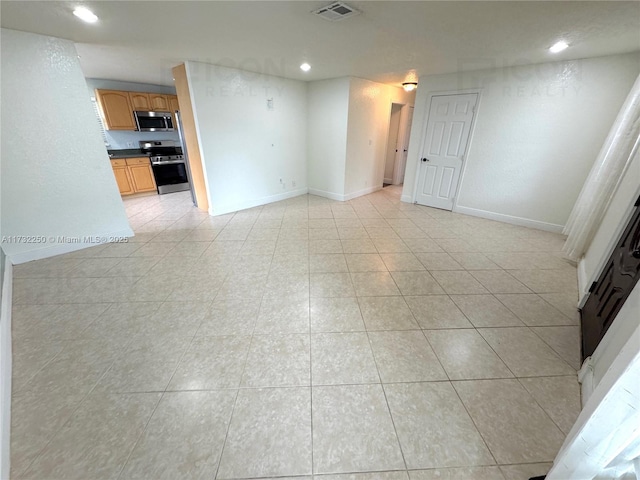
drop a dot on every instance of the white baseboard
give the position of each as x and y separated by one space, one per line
583 283
388 180
501 217
406 199
364 191
343 198
329 195
5 370
47 251
221 210
585 377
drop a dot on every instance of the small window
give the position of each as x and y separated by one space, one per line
97 112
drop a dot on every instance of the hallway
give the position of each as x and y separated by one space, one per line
305 337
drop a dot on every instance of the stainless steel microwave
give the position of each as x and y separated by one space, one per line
154 121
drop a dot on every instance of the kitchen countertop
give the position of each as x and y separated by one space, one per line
126 153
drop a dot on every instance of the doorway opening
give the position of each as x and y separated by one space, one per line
397 144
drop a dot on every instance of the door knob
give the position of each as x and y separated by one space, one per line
425 159
636 254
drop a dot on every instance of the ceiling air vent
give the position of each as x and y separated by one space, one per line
336 11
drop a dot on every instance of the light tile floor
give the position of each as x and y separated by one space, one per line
306 337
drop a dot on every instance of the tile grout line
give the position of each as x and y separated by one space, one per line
140 435
164 392
475 425
564 435
246 359
69 418
384 393
311 357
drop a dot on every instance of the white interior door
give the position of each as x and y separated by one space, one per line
448 128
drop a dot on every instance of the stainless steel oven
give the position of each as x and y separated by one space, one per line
168 164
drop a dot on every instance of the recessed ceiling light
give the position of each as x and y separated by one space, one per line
305 67
85 14
558 47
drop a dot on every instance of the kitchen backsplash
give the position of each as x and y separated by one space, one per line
118 139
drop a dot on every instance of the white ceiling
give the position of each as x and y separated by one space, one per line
389 42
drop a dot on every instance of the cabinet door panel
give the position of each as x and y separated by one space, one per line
138 161
173 106
140 101
116 109
125 185
142 176
173 103
159 102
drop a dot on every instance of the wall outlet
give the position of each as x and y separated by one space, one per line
131 145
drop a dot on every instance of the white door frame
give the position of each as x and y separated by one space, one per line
395 158
401 127
425 123
404 133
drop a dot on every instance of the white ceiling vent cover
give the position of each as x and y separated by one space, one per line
336 11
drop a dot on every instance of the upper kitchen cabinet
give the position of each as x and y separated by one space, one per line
173 103
140 101
173 106
159 102
116 109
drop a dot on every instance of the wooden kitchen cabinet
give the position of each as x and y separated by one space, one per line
123 179
140 101
133 175
116 109
173 103
159 102
142 177
173 106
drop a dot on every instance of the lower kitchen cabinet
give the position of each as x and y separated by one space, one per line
123 179
142 177
133 175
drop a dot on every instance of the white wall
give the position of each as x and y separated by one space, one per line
328 109
538 130
367 135
247 148
122 139
5 357
348 126
56 175
5 370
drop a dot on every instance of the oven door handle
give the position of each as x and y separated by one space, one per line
168 162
